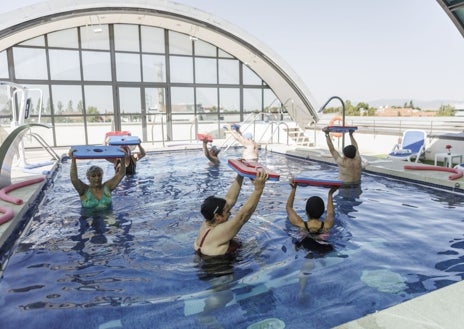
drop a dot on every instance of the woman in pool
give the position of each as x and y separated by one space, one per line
96 195
216 234
130 159
314 210
313 228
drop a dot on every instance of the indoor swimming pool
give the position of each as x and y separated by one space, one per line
134 266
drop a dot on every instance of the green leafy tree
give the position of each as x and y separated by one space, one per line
92 114
446 111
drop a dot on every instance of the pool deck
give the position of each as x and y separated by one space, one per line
441 308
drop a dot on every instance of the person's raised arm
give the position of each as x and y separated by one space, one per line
79 185
238 137
245 212
141 152
234 190
206 151
332 150
329 218
293 217
113 182
227 230
353 140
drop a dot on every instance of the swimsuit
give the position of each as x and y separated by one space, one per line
233 245
90 201
314 244
319 231
130 169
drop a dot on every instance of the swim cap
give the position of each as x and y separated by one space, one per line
314 207
349 151
248 135
211 206
215 149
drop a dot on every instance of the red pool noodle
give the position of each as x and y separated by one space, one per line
456 172
5 197
8 214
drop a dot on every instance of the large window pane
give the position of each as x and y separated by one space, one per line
153 39
203 48
64 65
38 42
128 67
207 101
182 100
154 100
205 70
181 69
179 44
96 66
131 105
126 37
229 100
30 63
64 38
99 111
223 54
68 110
156 114
250 77
95 37
252 100
154 68
228 71
67 100
99 100
3 65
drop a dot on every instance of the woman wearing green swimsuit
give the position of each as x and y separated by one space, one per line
95 195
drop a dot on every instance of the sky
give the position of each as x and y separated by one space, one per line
359 50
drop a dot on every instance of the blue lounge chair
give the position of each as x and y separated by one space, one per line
412 146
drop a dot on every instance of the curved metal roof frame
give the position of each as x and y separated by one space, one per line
455 10
53 15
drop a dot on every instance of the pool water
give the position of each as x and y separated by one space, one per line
134 267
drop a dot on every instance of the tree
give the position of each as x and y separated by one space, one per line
59 106
446 111
70 106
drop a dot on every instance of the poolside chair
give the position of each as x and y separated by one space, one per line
412 146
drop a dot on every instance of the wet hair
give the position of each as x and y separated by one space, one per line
349 151
315 207
211 206
94 169
215 149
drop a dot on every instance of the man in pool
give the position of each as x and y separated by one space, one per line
96 195
212 153
350 164
251 149
216 234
